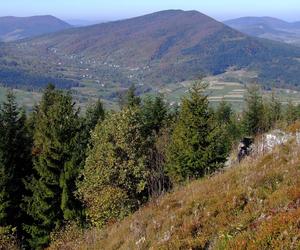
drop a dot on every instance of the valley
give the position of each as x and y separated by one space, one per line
230 86
156 52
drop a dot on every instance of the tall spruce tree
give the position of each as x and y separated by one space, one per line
55 163
154 115
155 118
254 117
15 163
227 119
130 99
224 112
94 114
197 145
291 113
274 110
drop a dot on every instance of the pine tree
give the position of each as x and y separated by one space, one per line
4 194
291 113
154 115
55 140
273 111
224 112
15 163
130 99
254 117
155 118
197 147
93 115
226 118
276 108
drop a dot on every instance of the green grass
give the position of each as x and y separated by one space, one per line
230 86
26 99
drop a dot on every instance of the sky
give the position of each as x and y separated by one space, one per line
107 10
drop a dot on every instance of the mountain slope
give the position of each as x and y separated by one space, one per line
296 25
15 28
152 51
253 205
267 27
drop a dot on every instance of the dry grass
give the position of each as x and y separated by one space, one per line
7 239
255 205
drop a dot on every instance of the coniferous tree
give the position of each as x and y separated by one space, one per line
130 99
15 163
94 114
291 113
55 164
154 114
227 119
197 146
155 118
254 117
274 110
224 112
4 194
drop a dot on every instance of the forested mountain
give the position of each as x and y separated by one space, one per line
15 28
152 50
268 27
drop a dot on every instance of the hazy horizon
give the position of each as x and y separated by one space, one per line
94 21
94 11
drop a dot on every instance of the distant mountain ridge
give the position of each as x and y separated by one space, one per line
268 27
296 24
16 28
151 51
270 21
82 23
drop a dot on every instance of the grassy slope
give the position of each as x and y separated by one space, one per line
255 205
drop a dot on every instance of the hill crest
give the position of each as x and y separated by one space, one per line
268 27
15 28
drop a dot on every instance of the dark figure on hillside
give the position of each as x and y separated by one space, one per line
244 148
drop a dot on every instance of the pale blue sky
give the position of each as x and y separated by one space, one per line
119 9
